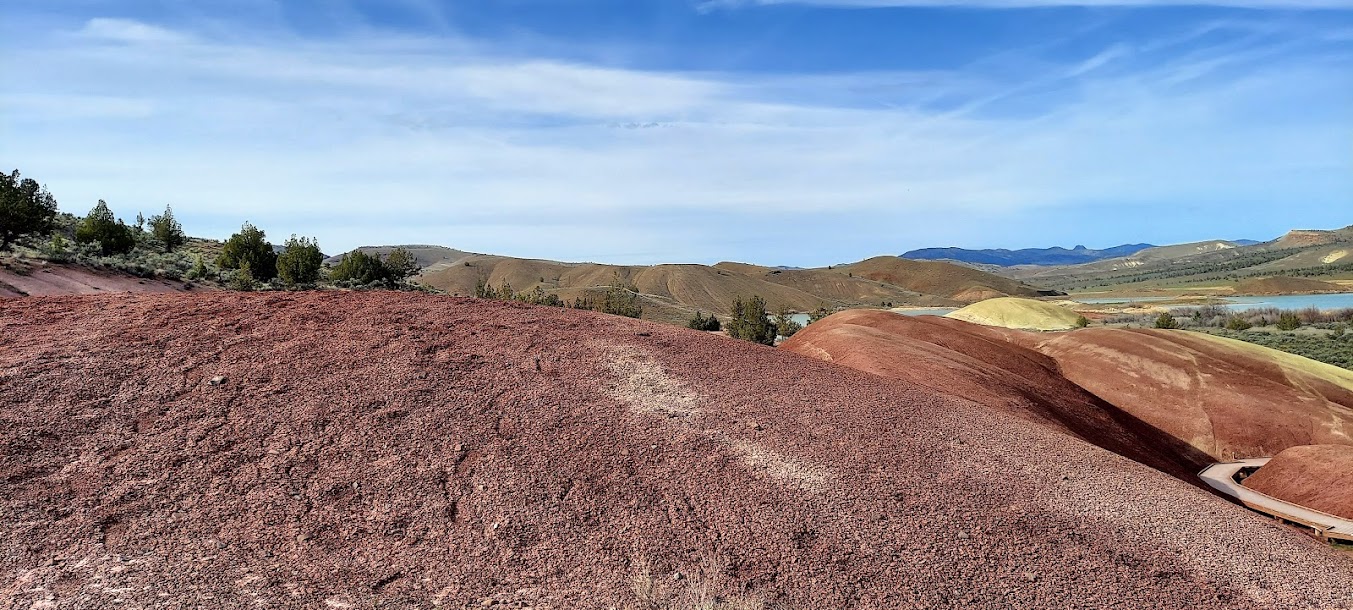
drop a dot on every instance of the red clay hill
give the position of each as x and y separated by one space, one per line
355 450
1227 398
1219 398
979 363
21 278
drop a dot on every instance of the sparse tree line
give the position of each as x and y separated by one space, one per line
1324 335
155 247
621 298
749 320
1221 317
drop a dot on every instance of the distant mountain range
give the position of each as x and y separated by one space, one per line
1301 253
1026 256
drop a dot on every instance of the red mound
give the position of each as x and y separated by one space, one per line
396 450
1314 476
980 364
54 279
1226 398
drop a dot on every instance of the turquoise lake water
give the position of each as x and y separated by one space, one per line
1293 301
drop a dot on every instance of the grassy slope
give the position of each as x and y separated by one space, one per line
1298 368
1317 346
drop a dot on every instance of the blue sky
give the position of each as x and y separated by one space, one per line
778 132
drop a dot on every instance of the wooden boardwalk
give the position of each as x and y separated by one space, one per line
1221 477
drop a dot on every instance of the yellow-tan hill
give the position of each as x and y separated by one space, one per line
1023 314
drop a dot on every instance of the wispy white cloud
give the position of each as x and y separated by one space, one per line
130 31
380 139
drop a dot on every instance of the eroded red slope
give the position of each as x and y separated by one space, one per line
1226 398
982 364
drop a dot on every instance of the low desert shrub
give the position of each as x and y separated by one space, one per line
1288 320
241 279
700 322
620 299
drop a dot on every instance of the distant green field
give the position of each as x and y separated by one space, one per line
1320 346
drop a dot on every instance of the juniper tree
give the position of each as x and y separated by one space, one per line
25 207
300 261
249 248
750 321
164 228
112 235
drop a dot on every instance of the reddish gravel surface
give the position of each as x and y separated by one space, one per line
47 279
398 450
1314 476
978 363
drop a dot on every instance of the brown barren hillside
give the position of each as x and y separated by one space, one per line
1314 476
840 287
375 449
1299 238
1285 285
673 293
1227 398
956 282
981 364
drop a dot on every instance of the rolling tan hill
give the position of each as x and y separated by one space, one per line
1301 238
673 293
834 285
957 282
426 256
670 293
